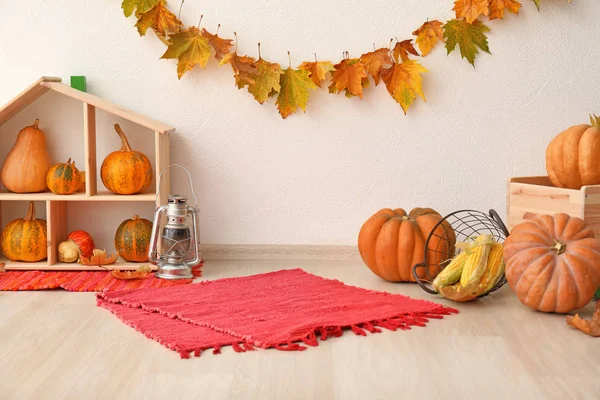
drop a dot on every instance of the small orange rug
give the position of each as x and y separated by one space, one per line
82 281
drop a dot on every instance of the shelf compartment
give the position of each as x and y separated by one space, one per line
43 266
104 195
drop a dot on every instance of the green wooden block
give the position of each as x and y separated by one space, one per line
78 82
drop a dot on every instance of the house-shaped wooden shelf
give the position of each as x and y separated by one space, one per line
56 205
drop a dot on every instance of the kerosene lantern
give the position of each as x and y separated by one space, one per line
174 241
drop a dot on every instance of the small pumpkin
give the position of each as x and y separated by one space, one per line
391 242
133 239
26 165
573 157
25 239
78 244
63 178
126 171
553 262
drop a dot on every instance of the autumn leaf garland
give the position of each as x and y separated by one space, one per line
395 66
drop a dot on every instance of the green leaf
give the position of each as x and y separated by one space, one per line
537 4
467 36
139 6
294 92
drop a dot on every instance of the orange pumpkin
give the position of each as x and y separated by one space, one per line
63 178
391 242
573 157
25 239
126 171
553 263
133 239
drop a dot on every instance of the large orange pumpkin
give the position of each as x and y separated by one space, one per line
133 239
553 262
391 242
126 171
573 157
25 239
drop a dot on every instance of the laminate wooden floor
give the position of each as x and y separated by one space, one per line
59 345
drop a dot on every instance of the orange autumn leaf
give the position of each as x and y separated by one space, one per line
189 48
349 75
403 81
243 68
99 257
402 49
428 35
221 46
591 327
159 19
317 70
375 61
140 273
497 8
470 10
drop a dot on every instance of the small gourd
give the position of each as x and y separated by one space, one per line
25 239
126 171
63 178
26 165
132 239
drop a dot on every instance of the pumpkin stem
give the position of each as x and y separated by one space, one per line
36 123
135 218
69 162
559 247
31 212
125 146
405 218
595 121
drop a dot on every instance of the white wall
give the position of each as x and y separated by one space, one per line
314 178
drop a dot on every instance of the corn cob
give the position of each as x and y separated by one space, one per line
495 269
451 274
477 261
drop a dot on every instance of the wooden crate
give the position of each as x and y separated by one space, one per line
536 194
56 205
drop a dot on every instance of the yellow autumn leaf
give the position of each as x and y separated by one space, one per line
266 80
189 48
294 92
404 82
139 6
317 70
471 9
160 19
428 35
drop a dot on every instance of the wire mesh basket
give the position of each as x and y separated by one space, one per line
465 225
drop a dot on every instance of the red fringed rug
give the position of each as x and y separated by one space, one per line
82 281
283 310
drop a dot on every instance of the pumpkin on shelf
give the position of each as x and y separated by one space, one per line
126 171
63 178
26 165
25 239
133 239
553 262
78 244
573 157
391 242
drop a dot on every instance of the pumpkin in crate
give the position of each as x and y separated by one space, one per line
126 171
553 262
26 165
64 178
391 242
25 239
573 157
133 239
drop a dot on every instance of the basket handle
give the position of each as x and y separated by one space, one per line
496 217
419 281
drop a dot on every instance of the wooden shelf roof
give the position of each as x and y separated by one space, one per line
44 84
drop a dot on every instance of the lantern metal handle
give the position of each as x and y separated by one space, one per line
153 247
189 176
